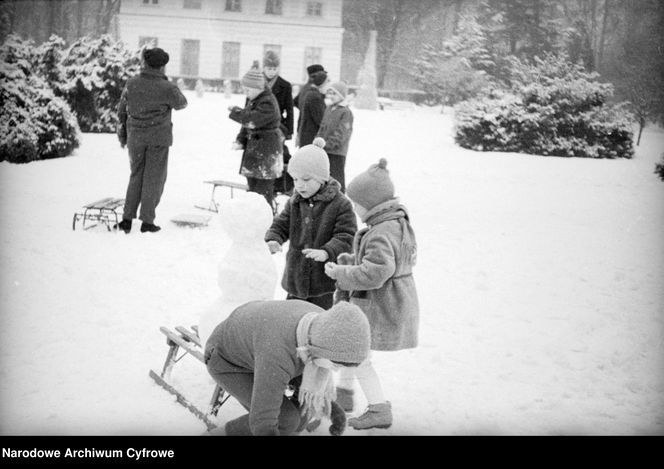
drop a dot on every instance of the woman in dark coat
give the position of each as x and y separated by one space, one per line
260 136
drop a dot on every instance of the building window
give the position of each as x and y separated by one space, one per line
230 60
312 55
273 7
190 52
314 8
150 2
147 41
233 5
193 4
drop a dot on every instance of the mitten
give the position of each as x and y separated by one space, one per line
345 258
338 418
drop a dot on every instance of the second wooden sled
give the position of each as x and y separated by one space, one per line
186 341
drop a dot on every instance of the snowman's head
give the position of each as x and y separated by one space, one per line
246 216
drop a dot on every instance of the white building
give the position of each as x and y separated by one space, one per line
220 39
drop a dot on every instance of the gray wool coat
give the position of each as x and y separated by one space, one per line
380 280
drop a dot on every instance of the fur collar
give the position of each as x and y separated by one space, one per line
327 192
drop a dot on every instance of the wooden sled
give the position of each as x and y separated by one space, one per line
187 341
213 206
103 211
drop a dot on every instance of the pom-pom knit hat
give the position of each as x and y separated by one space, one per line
155 57
254 77
371 187
341 334
311 160
340 88
271 59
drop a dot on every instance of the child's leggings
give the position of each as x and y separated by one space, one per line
367 377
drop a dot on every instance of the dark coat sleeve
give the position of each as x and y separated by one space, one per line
345 227
122 118
314 107
178 101
280 229
287 120
255 117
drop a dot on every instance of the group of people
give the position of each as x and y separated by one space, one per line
350 291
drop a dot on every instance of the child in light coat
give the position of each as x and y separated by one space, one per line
336 129
379 279
318 221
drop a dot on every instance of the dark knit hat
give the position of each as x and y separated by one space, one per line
311 160
311 69
341 334
155 57
371 187
270 59
254 77
318 78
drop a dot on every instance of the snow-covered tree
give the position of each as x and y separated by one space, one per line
553 108
96 71
34 122
458 69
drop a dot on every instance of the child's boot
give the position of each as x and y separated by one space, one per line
345 399
376 416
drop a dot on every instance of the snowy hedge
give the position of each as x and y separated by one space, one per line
552 108
659 168
95 72
34 123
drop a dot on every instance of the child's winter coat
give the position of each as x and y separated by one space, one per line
381 280
336 129
323 221
261 137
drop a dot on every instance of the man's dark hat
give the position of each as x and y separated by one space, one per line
311 69
155 57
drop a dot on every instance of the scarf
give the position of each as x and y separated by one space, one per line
393 210
317 390
270 83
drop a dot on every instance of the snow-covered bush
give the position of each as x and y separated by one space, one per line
659 168
96 71
34 123
552 108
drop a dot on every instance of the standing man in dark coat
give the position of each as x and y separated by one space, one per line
283 91
145 127
311 103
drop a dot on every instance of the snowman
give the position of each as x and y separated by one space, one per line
247 272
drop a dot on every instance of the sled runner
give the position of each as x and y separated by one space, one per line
103 211
213 206
191 219
187 341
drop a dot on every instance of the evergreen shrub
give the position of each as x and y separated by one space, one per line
552 107
34 123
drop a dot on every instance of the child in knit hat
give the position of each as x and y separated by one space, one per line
336 129
378 278
265 347
319 223
260 136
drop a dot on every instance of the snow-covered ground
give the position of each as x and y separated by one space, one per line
541 283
